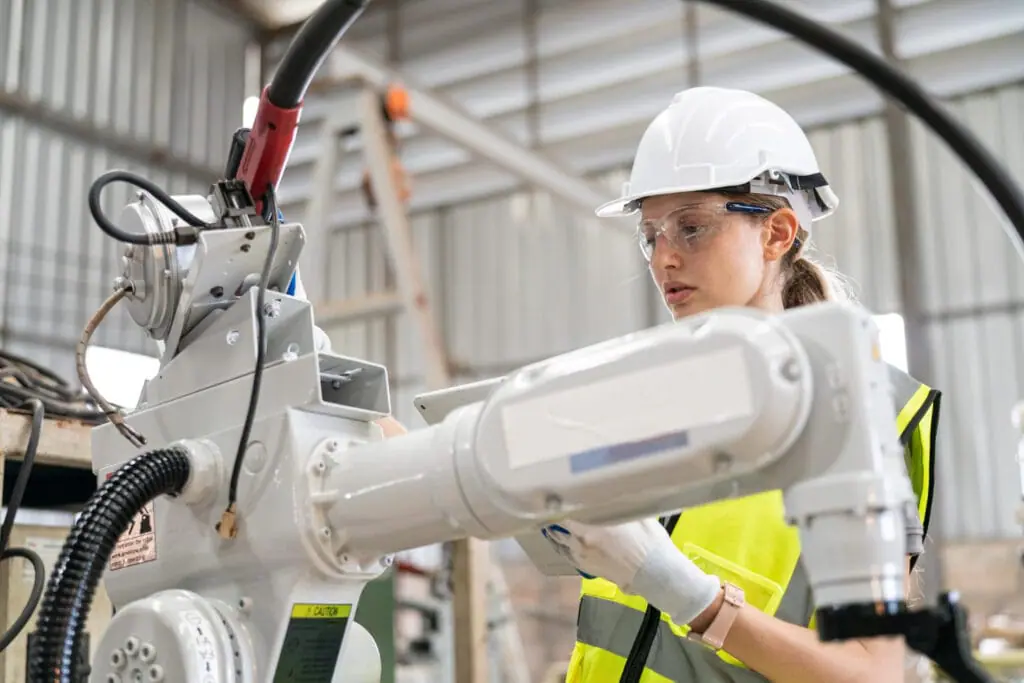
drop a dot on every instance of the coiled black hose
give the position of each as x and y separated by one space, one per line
86 552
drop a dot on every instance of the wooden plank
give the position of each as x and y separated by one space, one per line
470 560
66 443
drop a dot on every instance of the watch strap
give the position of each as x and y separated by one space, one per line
715 634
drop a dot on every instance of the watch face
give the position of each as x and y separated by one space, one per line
733 595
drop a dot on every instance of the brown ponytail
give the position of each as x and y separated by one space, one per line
806 280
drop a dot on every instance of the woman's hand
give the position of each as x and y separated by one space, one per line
615 553
640 558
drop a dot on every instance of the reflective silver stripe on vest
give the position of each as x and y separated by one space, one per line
612 627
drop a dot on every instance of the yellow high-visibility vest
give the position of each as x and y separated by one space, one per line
744 541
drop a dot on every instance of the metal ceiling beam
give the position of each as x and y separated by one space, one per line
87 133
728 48
826 102
576 130
454 123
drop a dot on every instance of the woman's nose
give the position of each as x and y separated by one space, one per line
665 256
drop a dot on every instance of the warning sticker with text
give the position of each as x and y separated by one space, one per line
137 545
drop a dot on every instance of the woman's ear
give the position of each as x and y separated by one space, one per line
778 233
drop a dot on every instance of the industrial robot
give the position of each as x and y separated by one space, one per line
250 497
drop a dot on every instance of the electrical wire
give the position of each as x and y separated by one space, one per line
13 505
110 412
180 236
227 526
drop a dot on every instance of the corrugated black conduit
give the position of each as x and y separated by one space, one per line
69 593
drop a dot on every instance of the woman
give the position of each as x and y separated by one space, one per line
726 187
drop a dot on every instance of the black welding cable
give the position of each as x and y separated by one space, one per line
185 235
308 50
13 505
57 640
901 88
22 380
227 525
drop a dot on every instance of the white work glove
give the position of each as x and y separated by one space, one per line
640 558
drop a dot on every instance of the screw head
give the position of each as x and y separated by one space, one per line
790 370
272 309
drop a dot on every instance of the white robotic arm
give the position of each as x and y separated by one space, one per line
720 405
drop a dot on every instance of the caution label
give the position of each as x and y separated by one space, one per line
137 545
312 643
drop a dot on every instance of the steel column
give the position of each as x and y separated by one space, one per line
920 358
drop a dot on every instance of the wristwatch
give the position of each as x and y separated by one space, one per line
714 635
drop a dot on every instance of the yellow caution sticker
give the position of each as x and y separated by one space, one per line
312 643
302 610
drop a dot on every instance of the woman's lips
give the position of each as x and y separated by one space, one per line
680 294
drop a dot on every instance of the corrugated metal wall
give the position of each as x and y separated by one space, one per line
975 285
518 278
152 86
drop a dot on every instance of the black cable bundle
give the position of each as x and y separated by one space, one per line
22 380
25 385
57 641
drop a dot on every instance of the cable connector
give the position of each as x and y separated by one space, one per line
227 527
185 235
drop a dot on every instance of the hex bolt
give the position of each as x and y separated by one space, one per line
272 309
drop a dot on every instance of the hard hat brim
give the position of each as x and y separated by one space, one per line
616 208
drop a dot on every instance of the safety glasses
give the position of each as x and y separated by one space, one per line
689 228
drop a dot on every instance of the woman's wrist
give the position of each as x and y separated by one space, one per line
703 620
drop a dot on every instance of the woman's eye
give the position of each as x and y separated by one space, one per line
690 231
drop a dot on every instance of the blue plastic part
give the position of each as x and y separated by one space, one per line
295 276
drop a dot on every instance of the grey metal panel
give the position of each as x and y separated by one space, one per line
166 73
858 240
976 301
525 278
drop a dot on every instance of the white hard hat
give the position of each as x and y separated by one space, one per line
716 138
